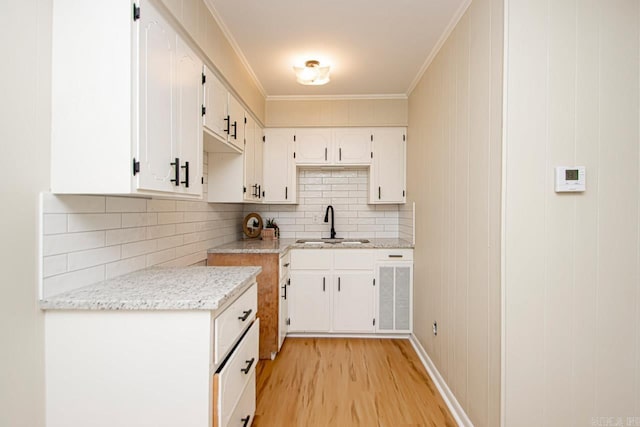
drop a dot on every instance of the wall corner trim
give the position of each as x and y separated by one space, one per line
441 41
447 395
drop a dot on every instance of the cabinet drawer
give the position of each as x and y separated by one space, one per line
246 408
311 259
229 383
394 254
229 325
353 259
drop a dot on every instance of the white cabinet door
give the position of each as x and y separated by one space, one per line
250 182
394 297
216 99
157 148
309 307
236 126
279 170
189 118
283 311
353 301
388 172
312 146
352 146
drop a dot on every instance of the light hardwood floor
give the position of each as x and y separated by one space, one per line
320 382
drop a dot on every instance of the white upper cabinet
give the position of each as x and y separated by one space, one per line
312 146
340 146
143 81
224 115
279 169
253 161
388 172
352 146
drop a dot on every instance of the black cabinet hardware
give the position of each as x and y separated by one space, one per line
204 78
177 171
249 364
259 191
136 167
338 284
379 193
228 120
246 314
286 193
324 280
245 420
136 12
284 293
186 172
325 153
204 110
395 256
287 265
340 153
235 130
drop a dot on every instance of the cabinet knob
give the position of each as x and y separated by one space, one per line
249 363
245 420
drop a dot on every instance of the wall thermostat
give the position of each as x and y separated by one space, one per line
570 179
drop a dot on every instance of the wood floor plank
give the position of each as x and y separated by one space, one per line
320 382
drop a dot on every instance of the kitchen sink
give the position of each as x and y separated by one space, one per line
333 241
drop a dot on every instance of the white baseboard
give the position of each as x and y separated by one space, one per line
452 403
340 335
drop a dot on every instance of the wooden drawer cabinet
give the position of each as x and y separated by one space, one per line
229 325
234 376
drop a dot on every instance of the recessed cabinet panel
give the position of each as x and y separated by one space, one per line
353 294
309 309
216 103
312 146
352 146
236 123
157 142
279 169
388 171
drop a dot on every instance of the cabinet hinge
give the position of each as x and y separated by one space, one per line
244 189
371 137
403 193
204 110
294 138
374 322
372 154
136 12
294 154
404 137
264 138
245 120
374 281
136 167
289 322
204 78
202 180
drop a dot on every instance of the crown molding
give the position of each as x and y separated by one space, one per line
396 96
235 46
441 41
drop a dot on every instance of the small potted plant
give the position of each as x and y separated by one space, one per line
270 231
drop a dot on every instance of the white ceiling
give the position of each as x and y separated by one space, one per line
374 47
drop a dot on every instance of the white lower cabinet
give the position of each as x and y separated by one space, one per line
351 291
231 380
284 295
310 304
353 299
394 275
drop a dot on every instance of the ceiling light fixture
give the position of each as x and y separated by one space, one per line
312 73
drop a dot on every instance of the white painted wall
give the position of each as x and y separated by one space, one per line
24 138
571 283
454 175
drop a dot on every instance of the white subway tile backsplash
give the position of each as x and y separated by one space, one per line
52 265
139 248
155 205
53 203
118 268
139 219
55 223
158 231
84 259
170 217
125 235
160 257
65 243
169 242
126 204
93 222
76 279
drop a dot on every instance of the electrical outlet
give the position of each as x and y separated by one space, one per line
316 218
435 328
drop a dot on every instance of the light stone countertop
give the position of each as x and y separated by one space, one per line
280 246
159 288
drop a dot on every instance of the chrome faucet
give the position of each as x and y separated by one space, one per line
326 219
